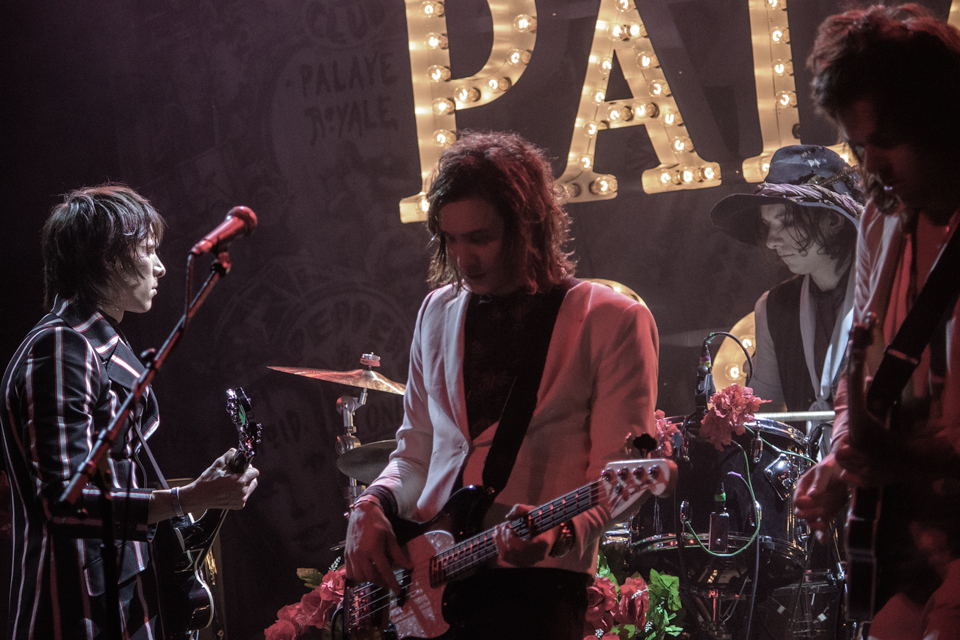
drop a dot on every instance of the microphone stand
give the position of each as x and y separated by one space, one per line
90 469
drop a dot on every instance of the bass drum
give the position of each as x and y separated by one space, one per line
770 456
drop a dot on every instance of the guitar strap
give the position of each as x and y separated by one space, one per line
522 397
901 357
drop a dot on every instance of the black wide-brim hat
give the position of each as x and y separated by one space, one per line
806 175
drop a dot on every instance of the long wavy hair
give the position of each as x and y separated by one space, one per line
906 63
515 177
91 238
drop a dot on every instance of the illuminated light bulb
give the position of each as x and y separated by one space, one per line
618 32
682 144
780 36
777 4
636 30
525 23
846 157
442 106
614 114
733 372
437 41
659 88
787 99
688 175
432 9
764 164
606 64
783 68
648 61
707 173
468 94
438 73
518 56
624 5
603 185
747 343
444 138
591 129
672 118
599 97
586 162
648 110
424 205
665 177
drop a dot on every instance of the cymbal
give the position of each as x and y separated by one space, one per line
356 378
364 463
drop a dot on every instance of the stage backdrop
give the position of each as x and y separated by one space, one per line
305 111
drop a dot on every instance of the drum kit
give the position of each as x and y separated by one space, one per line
360 463
729 533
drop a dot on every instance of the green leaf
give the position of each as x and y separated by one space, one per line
311 577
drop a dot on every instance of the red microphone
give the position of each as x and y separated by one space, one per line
240 221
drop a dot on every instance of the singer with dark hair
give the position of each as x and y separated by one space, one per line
61 389
890 78
500 265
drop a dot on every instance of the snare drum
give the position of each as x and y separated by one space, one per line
775 457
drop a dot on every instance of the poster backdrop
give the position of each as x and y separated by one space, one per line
303 110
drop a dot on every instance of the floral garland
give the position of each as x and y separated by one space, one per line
632 608
731 408
316 607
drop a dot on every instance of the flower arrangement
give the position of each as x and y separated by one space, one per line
315 609
666 430
730 409
632 607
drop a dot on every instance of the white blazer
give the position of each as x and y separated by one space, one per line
598 390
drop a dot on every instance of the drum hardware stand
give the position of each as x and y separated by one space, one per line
347 406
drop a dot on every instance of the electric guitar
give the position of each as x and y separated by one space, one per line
864 511
181 544
443 548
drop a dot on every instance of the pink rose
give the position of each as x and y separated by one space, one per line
634 601
601 599
317 607
289 612
665 431
281 630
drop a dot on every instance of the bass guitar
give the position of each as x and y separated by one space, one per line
181 544
444 548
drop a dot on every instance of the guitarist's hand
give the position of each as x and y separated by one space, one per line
372 549
517 551
820 495
220 486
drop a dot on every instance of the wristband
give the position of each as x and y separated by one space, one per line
175 497
365 498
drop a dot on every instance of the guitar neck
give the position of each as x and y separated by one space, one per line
473 552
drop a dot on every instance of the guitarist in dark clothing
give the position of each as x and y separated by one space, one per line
63 386
499 234
890 78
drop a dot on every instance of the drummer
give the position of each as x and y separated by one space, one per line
806 213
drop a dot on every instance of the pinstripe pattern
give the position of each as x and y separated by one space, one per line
63 386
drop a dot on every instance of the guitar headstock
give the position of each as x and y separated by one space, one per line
241 413
627 481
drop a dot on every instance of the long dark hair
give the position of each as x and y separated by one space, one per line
92 237
514 176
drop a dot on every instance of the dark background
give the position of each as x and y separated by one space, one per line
209 104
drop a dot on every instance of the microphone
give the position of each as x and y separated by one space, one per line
240 221
705 386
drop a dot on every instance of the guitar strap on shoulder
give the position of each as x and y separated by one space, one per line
901 357
522 397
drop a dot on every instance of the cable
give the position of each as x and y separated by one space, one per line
713 334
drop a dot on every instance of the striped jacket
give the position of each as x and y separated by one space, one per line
62 387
